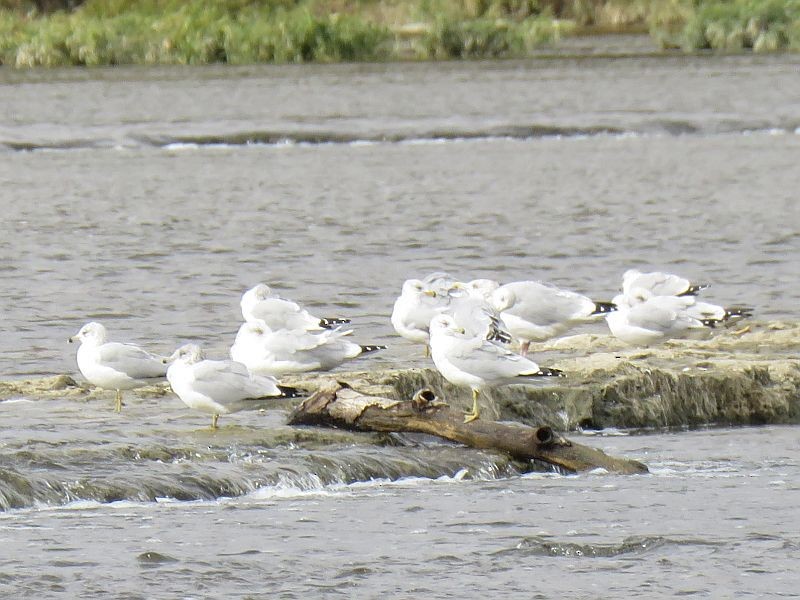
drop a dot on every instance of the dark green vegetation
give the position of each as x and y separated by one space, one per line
108 32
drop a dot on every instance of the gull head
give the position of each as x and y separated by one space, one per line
445 325
251 329
91 332
628 278
415 287
187 354
257 293
482 288
502 299
638 296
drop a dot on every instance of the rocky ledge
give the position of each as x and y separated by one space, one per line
735 378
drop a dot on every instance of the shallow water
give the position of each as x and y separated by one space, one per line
149 199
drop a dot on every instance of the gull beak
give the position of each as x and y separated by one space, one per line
430 293
461 330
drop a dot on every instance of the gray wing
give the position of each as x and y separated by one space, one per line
490 361
227 381
548 305
659 318
131 360
660 284
278 313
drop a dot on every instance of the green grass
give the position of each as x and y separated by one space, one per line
731 25
111 32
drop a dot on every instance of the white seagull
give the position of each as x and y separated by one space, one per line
645 319
260 303
115 366
478 363
659 283
534 311
267 352
218 387
473 312
414 309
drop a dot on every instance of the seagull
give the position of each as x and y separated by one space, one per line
535 311
218 387
645 319
260 303
659 284
115 366
414 309
472 312
267 352
478 363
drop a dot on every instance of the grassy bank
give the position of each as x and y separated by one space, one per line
108 32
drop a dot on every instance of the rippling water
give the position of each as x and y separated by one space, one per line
149 199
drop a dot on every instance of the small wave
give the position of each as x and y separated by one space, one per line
542 546
304 137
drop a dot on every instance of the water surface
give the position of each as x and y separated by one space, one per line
150 199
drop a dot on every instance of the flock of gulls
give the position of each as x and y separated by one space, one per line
477 333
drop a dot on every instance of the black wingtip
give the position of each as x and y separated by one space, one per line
712 323
290 392
694 289
373 348
331 323
602 308
548 372
498 335
738 312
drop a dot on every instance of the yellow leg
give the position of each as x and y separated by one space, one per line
214 420
476 412
118 403
427 351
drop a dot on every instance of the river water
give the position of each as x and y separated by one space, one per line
149 199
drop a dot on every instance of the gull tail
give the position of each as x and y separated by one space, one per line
498 335
544 372
694 289
331 323
373 348
712 323
602 308
738 312
291 392
548 372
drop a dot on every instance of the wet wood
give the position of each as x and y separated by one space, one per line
337 405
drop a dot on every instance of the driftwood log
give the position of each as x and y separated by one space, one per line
337 405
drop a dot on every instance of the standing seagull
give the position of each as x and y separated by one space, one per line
218 387
534 311
115 366
259 303
477 362
414 309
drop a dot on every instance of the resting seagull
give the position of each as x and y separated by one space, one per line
414 309
479 363
115 366
267 352
645 319
218 387
534 312
260 303
659 284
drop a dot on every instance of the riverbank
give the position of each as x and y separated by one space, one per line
736 378
108 32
